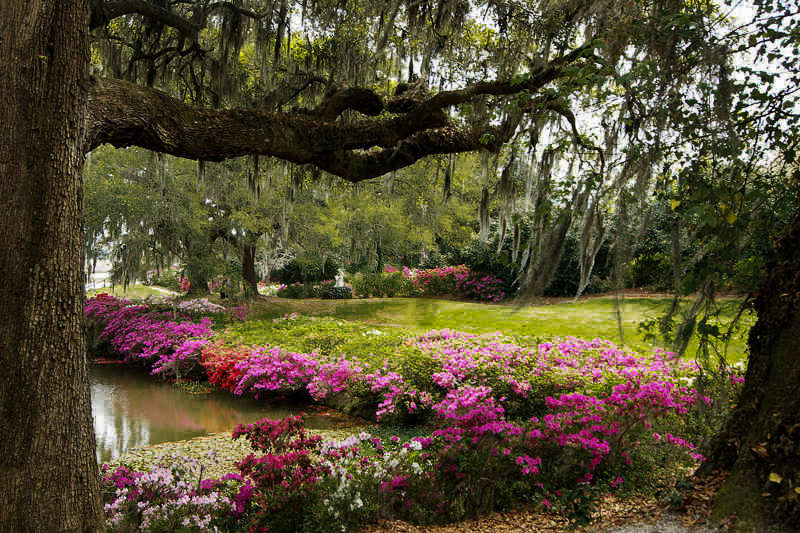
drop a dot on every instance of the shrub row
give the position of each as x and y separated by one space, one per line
326 290
444 281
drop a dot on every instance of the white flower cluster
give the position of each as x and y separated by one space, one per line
173 499
200 305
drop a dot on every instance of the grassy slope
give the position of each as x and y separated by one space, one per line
137 291
588 318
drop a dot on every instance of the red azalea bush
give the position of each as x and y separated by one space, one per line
220 363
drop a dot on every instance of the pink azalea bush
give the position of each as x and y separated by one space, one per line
456 280
588 403
167 341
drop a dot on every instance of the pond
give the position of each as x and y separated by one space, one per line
132 409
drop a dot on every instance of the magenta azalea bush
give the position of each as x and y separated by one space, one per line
169 341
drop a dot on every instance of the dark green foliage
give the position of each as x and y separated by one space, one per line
379 285
167 279
330 291
482 257
307 269
294 290
568 274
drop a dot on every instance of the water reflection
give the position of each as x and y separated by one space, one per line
132 409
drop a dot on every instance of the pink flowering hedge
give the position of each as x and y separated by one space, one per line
456 280
167 338
444 281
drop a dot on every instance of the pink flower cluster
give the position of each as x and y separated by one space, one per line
168 341
165 498
458 280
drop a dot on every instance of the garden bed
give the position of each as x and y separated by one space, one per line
557 422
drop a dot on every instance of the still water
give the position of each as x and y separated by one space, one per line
132 409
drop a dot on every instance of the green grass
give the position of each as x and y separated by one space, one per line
588 318
136 291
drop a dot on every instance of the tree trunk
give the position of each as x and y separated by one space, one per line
48 470
249 271
198 253
761 442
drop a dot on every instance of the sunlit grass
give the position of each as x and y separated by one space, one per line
588 318
135 291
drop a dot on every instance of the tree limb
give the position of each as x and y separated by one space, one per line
124 114
103 12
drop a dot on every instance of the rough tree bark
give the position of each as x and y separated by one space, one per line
249 271
48 471
763 435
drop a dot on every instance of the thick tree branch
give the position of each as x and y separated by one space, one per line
362 100
103 12
125 114
354 166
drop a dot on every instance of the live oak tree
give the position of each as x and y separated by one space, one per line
325 91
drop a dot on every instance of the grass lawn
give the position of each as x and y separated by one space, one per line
136 291
587 318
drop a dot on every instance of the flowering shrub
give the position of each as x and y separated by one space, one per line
153 332
437 281
554 422
284 478
170 497
475 461
295 290
220 363
199 305
183 362
583 408
185 284
483 288
444 281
